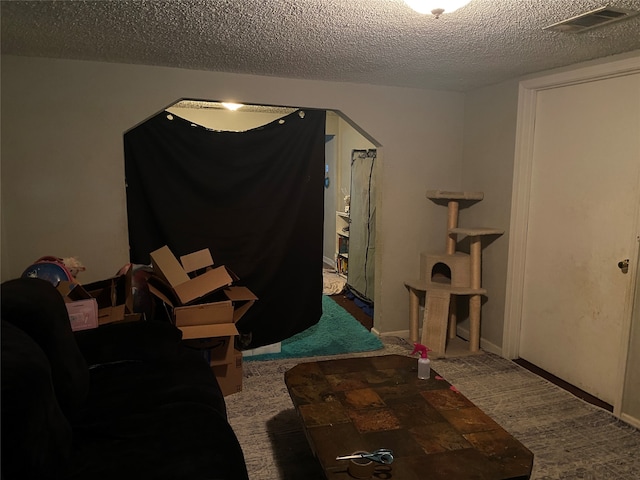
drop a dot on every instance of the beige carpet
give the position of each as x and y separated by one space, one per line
570 438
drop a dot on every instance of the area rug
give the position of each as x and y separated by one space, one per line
336 333
569 438
333 283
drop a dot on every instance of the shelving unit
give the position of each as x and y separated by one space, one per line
342 243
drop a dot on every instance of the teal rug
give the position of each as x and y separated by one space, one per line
337 332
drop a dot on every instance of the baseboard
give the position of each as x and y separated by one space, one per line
399 333
630 420
328 261
485 345
462 332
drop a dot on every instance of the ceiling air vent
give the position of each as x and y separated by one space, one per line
594 18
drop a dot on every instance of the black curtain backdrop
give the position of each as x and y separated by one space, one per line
254 198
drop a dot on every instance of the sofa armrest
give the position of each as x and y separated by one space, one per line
34 306
36 435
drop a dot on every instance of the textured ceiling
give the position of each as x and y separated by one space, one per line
379 42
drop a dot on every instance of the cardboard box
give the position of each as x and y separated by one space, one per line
201 303
207 326
196 261
115 298
213 334
205 306
201 319
204 314
218 350
189 289
229 376
83 314
82 308
103 293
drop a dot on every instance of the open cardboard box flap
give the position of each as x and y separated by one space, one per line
242 299
208 331
202 285
196 260
72 291
189 289
239 293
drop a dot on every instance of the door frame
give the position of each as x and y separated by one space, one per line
521 191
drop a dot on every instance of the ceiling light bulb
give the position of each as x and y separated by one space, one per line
232 106
436 7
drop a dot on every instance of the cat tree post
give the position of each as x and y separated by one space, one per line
475 300
414 313
453 208
452 222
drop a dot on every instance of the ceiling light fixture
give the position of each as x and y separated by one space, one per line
232 106
436 7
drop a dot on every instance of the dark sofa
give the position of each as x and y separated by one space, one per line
124 400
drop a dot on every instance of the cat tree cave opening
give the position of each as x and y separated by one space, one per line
441 273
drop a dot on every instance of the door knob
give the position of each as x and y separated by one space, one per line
624 265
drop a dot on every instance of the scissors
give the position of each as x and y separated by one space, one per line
382 455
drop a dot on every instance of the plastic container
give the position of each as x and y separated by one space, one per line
424 364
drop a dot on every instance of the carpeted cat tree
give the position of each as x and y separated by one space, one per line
448 274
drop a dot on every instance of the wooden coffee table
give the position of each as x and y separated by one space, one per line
363 404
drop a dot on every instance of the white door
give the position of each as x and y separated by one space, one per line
582 221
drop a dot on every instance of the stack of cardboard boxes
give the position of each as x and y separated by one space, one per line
205 305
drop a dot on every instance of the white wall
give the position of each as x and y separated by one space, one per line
63 190
489 146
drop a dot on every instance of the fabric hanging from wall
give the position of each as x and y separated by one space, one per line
254 198
362 226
